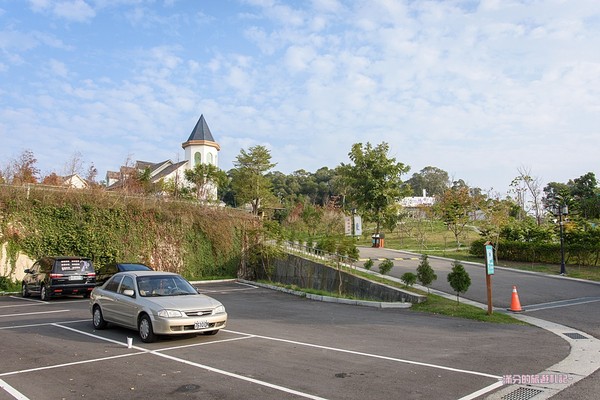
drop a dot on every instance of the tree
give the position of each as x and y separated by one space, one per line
23 169
454 207
586 195
497 218
408 278
432 180
91 175
52 179
203 177
248 177
459 279
74 165
385 266
374 182
556 195
425 274
525 184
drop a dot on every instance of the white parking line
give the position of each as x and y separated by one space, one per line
12 391
159 352
24 371
42 324
227 290
26 299
23 305
34 313
561 303
247 284
483 391
358 353
206 367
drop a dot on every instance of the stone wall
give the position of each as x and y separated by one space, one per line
13 272
295 270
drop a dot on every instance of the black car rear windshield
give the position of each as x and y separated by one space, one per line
134 267
74 267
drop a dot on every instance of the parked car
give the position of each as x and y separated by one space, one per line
105 272
155 303
58 276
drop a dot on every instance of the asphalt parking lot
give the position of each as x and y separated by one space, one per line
275 346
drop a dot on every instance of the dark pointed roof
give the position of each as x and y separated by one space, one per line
201 131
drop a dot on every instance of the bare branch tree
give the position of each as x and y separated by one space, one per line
533 186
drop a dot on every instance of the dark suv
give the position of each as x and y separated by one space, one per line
105 272
57 276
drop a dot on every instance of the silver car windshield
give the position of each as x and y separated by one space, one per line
164 285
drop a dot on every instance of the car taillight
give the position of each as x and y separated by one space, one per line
54 276
91 274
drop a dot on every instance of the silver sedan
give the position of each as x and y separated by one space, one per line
155 303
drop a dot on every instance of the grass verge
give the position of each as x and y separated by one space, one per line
442 306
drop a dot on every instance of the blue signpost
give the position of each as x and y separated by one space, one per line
489 271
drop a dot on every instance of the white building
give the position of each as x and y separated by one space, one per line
415 206
199 148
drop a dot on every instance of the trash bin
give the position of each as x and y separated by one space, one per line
377 240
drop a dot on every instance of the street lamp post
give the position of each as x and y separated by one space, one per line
564 210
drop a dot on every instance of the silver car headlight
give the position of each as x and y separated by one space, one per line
170 314
219 310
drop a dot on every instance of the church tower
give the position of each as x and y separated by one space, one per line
201 148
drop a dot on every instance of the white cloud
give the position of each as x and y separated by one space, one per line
76 10
299 58
476 89
71 10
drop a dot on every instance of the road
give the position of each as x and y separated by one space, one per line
569 302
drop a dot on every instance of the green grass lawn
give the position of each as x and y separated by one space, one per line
443 306
433 238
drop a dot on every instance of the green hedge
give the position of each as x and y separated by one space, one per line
183 237
548 253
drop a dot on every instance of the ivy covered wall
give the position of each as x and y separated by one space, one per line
184 237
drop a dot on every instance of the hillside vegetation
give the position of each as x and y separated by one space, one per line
185 237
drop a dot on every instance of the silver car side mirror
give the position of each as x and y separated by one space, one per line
129 292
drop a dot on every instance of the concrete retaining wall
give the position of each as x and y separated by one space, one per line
13 272
294 270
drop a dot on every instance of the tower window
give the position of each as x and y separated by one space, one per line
210 158
198 158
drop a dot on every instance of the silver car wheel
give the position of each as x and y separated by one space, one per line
145 329
43 293
98 319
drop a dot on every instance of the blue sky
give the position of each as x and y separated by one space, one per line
476 88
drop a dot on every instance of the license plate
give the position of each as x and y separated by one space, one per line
200 325
75 277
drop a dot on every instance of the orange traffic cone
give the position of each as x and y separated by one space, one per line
515 304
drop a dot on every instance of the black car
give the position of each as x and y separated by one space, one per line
105 272
58 276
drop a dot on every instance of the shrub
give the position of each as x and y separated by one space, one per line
385 266
425 274
459 279
6 285
368 264
408 278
